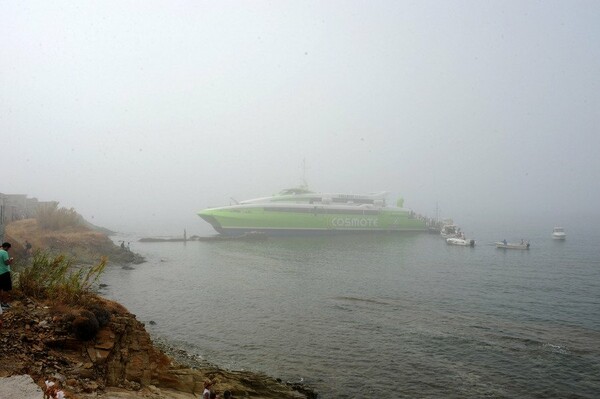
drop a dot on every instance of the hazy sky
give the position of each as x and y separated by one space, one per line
140 113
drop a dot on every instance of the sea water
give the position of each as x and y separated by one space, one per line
385 315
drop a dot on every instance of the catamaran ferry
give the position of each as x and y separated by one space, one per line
300 211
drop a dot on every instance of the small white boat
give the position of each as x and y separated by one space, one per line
559 233
460 241
512 245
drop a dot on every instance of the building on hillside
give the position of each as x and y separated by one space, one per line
18 206
15 207
31 205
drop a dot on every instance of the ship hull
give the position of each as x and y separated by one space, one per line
309 221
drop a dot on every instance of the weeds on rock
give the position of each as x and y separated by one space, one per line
57 279
69 289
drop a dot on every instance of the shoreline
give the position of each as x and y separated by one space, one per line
123 360
183 357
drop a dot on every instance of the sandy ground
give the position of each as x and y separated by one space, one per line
19 387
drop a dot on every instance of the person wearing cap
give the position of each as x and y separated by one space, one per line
5 278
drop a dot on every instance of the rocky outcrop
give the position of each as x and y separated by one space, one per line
121 361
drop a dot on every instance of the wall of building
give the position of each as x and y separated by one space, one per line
18 206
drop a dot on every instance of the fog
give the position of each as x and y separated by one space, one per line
141 113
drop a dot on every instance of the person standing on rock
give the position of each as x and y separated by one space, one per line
5 277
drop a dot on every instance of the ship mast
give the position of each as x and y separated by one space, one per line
304 183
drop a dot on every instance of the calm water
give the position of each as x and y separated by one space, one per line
382 316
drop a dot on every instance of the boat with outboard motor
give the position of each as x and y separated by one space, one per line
512 245
301 211
460 241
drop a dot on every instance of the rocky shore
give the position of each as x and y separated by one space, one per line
121 361
43 340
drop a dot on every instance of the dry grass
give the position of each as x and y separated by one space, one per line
79 242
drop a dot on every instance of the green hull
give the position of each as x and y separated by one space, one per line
234 220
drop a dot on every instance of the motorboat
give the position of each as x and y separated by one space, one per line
559 233
460 241
301 211
450 231
512 245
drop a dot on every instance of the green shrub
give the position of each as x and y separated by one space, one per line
57 279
